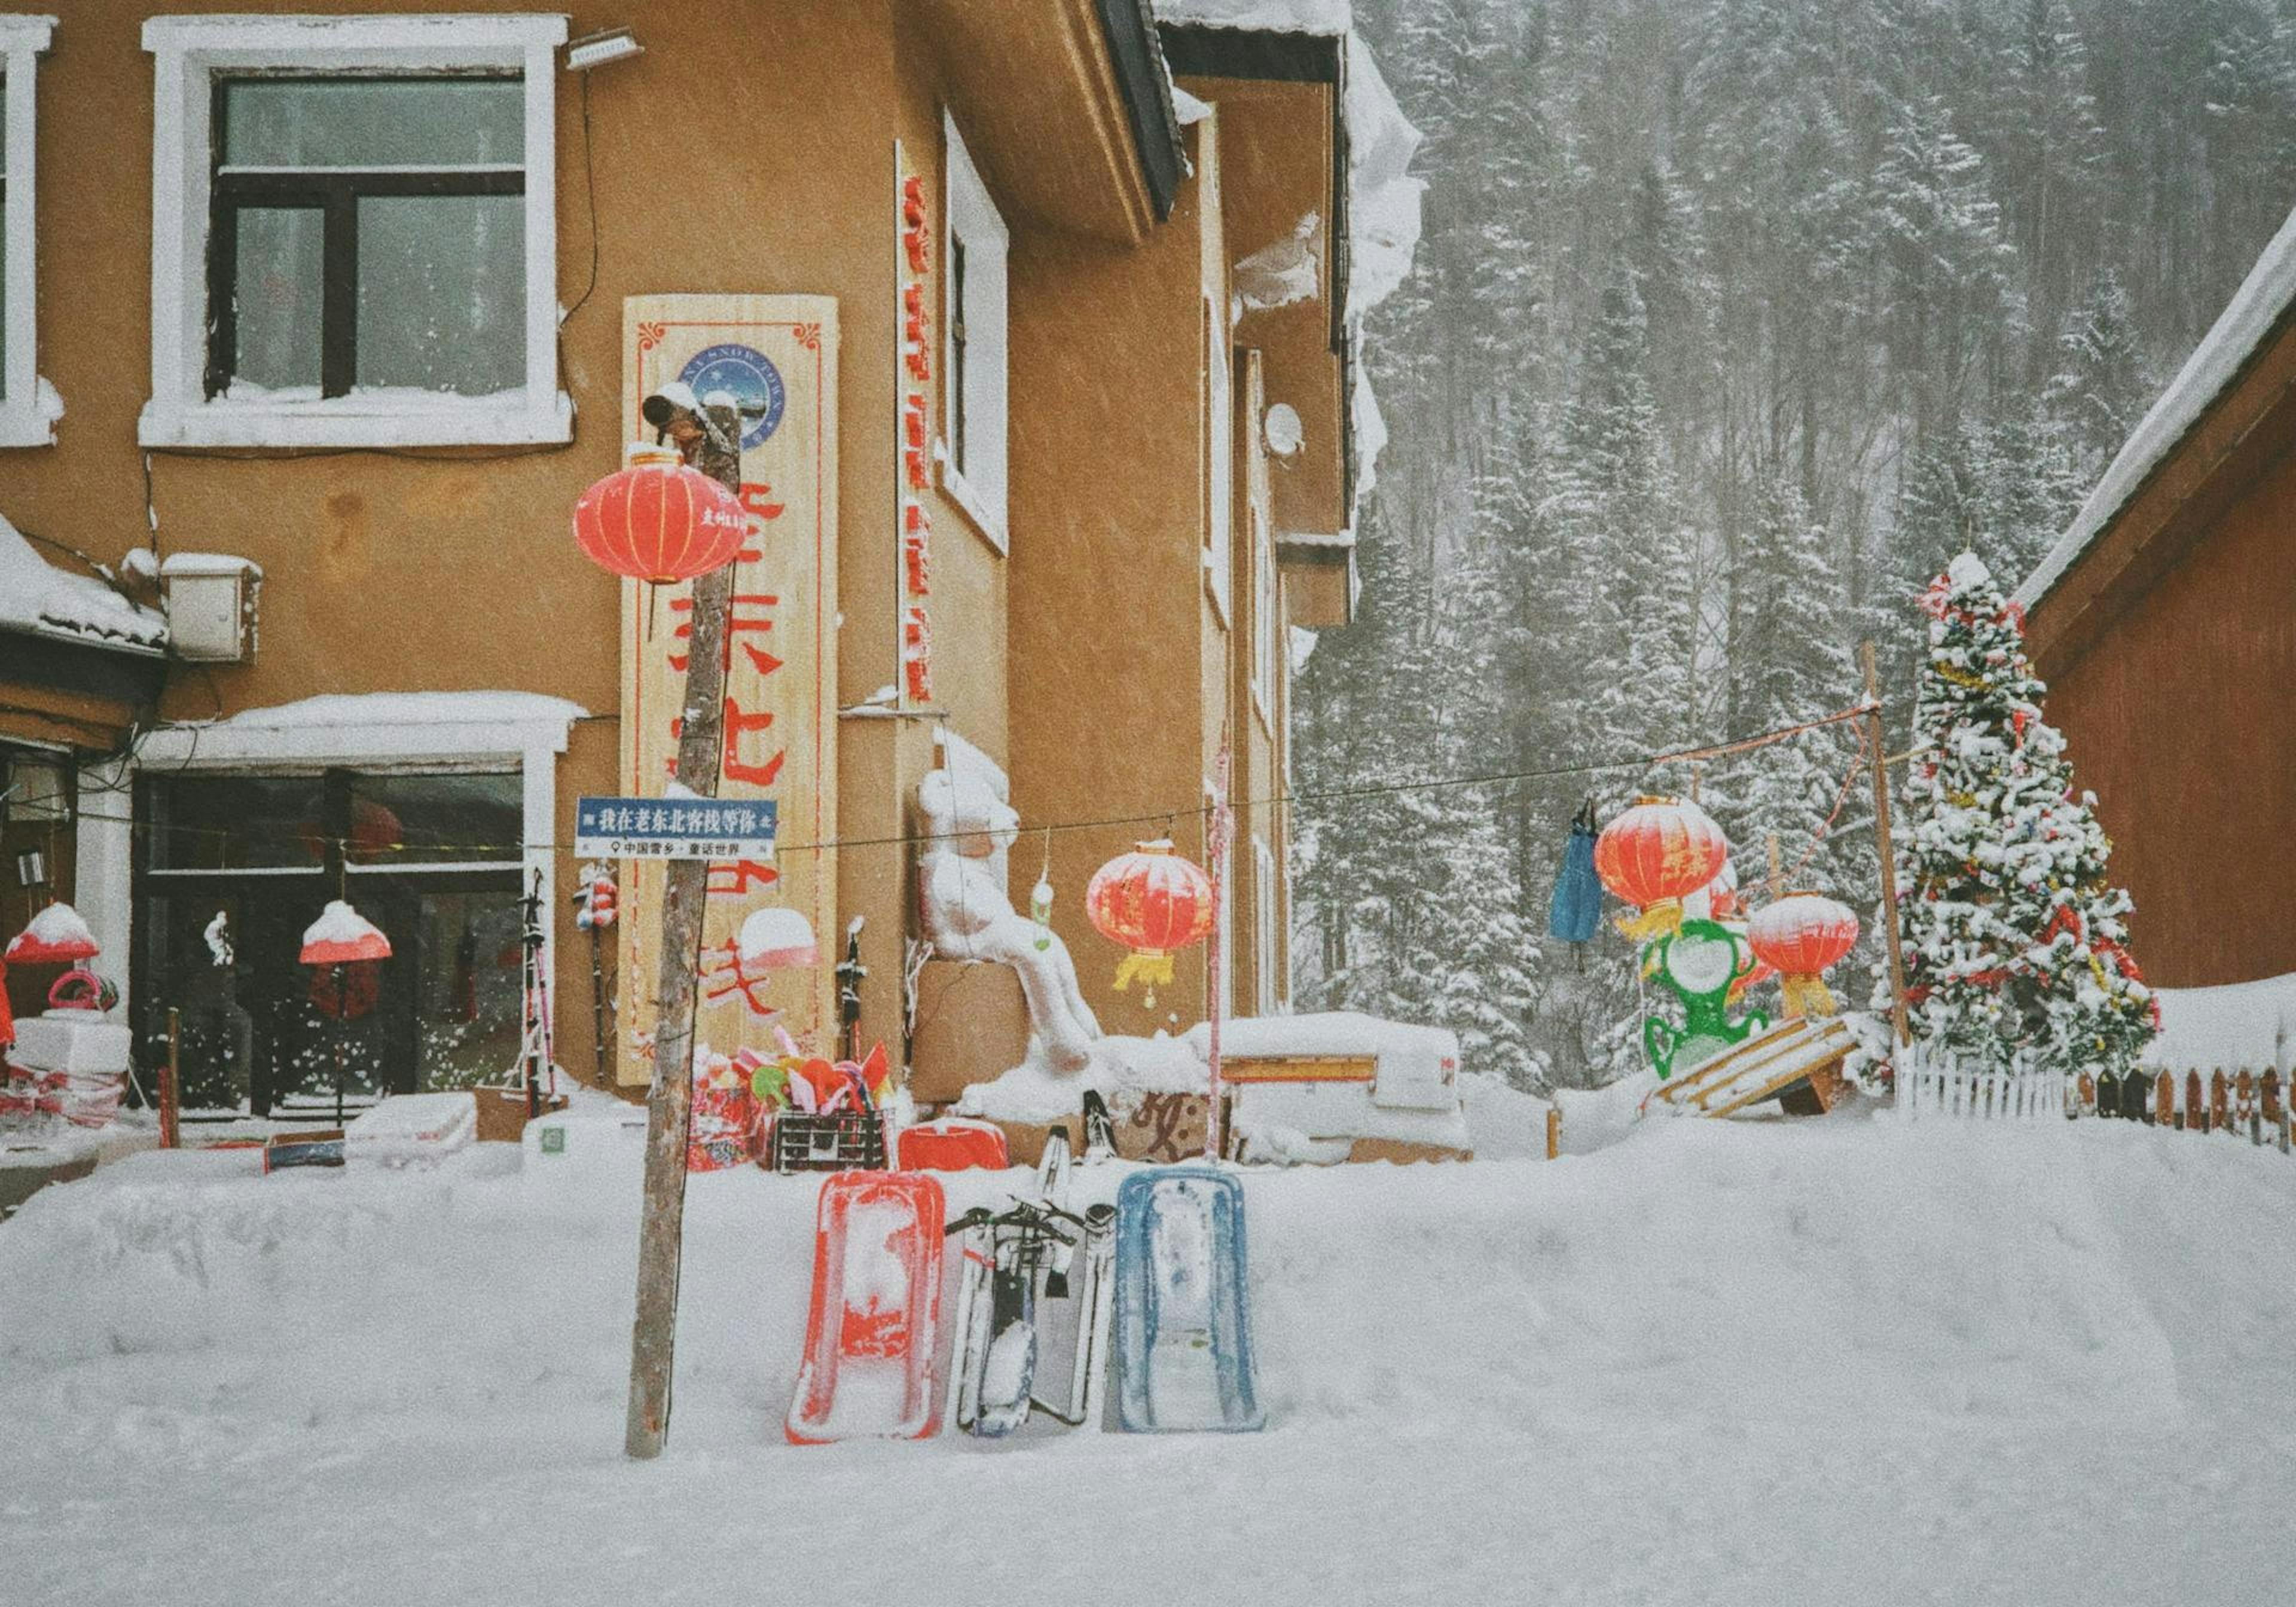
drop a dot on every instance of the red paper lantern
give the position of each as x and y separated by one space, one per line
1657 854
1801 936
657 520
1153 902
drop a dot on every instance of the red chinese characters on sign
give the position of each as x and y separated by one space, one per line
915 379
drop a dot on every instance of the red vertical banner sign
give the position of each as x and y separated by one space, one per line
914 434
776 355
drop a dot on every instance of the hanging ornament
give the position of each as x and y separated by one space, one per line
1801 936
348 950
1576 910
778 938
1654 856
1153 902
657 520
57 936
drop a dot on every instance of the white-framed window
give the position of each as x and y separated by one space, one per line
353 235
973 343
1266 626
1266 934
1218 459
28 408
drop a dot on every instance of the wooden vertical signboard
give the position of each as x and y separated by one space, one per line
777 356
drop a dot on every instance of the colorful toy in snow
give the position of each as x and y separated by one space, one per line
1654 856
1801 935
1702 963
656 520
1153 902
822 1115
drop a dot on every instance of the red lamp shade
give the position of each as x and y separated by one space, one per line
1654 856
341 936
1799 936
1153 902
57 936
658 521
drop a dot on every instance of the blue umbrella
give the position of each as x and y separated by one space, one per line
1578 907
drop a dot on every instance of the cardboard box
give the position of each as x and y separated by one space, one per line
502 1114
972 1027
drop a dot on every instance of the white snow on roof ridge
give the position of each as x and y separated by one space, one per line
38 597
406 709
2258 304
1325 17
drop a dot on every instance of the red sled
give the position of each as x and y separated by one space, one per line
953 1145
874 1328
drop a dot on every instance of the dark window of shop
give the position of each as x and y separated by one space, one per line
230 870
368 232
38 786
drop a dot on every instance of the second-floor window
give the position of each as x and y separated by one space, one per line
354 231
26 416
973 321
367 234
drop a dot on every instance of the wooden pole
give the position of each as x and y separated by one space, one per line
1882 842
1553 1132
171 1084
654 1333
1778 876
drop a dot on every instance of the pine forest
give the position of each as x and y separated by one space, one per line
1733 323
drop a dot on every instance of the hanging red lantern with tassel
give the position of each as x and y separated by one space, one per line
1153 902
1801 936
1654 856
657 520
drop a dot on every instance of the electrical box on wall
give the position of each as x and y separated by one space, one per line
210 602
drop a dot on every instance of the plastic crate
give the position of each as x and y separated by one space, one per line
843 1141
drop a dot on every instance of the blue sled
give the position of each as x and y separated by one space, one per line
1183 1350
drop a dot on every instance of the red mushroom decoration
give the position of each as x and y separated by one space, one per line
341 936
1801 936
1654 856
1153 902
657 520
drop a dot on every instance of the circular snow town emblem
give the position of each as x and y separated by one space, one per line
751 376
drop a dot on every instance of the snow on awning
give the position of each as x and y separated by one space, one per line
2247 321
39 599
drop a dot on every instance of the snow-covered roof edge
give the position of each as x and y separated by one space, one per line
39 599
1382 218
2240 333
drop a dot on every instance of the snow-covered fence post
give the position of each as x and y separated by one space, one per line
714 437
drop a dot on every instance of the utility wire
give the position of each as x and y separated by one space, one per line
1152 817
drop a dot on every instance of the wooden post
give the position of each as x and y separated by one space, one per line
1555 1132
1778 876
1882 841
654 1333
171 1084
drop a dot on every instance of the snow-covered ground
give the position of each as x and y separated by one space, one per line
1825 1361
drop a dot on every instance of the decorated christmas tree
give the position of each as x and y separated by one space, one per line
2014 939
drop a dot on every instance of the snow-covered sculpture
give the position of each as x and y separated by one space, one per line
968 915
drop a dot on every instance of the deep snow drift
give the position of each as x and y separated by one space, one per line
1837 1360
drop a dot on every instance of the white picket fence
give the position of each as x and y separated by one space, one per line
1929 1087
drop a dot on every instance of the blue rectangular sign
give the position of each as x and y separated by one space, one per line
675 828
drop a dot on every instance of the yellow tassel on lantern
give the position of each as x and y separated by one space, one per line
1805 996
1662 919
1149 966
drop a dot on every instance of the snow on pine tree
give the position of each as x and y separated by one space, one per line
2013 937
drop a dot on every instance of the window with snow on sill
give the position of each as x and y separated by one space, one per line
353 232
